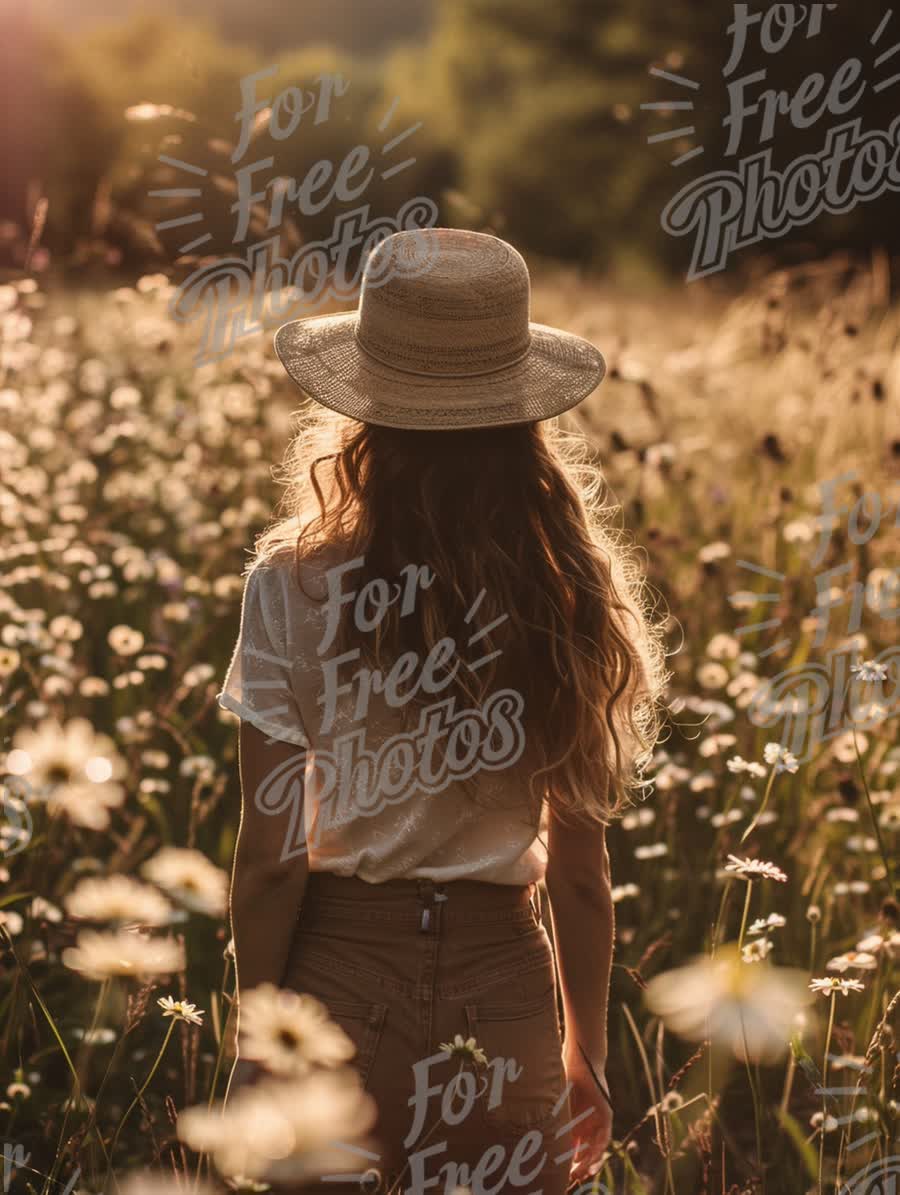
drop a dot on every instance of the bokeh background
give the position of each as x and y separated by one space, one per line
133 482
531 117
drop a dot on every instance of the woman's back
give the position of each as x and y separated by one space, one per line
383 778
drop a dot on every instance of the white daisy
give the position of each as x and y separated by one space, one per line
102 955
181 1010
283 1131
831 983
466 1048
750 1010
74 768
757 950
782 759
190 878
857 960
118 898
764 924
289 1032
754 869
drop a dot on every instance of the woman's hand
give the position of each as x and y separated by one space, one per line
591 1135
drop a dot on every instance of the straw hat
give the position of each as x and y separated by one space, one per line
441 339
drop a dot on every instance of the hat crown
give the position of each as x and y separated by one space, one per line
445 302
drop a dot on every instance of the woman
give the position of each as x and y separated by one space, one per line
446 683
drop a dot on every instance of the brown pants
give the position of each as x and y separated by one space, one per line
406 965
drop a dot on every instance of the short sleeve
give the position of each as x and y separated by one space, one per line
257 684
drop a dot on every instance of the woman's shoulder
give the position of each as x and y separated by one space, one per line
305 575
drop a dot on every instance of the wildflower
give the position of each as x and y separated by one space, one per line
723 647
847 816
702 782
743 688
861 844
190 877
798 531
717 712
670 775
76 769
464 1048
637 818
712 675
125 641
737 764
653 851
9 661
726 819
868 715
11 921
870 671
756 951
782 759
823 1120
283 1131
102 955
831 983
95 1037
181 1010
854 888
44 910
289 1032
118 898
717 550
742 599
859 960
755 869
749 1010
762 924
716 743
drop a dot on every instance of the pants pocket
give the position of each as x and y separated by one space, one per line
362 1020
523 1044
364 1025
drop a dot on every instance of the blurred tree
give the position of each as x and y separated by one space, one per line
543 105
268 26
528 117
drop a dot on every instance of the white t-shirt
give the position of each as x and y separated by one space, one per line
376 800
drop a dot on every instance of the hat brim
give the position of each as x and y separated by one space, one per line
322 356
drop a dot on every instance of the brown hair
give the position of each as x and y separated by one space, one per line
517 512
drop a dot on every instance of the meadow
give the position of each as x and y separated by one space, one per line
755 1005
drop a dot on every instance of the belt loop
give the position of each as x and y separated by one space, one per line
426 896
535 900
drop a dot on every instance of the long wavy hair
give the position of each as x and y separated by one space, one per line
513 524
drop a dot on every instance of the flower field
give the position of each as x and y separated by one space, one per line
753 444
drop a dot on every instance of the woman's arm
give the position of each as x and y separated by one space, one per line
579 885
266 893
580 890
